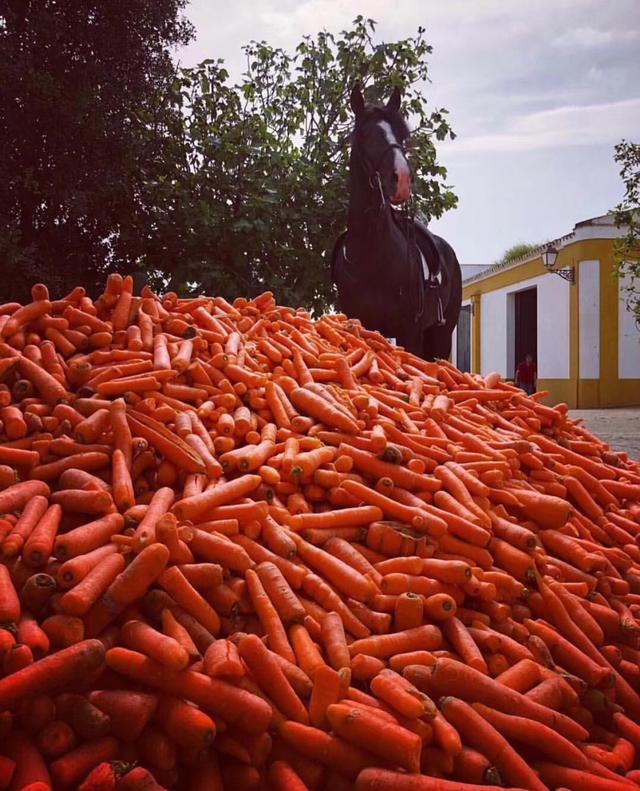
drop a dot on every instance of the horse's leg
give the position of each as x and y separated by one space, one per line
437 341
412 341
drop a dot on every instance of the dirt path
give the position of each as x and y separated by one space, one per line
619 428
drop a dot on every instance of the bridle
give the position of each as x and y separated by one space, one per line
405 211
372 169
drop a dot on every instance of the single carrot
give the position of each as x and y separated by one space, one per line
222 659
365 668
122 485
9 601
221 494
426 638
72 571
280 593
36 593
325 748
372 779
323 410
483 737
31 771
129 712
535 735
328 687
169 444
235 705
270 677
52 672
334 641
269 617
562 776
188 726
31 515
307 656
408 611
39 545
391 688
141 637
82 596
129 586
459 637
282 777
345 578
88 537
385 739
450 677
440 607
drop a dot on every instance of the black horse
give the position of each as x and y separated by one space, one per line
391 272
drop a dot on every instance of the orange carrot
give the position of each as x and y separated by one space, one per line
164 649
271 679
87 537
427 638
269 617
483 737
222 659
178 587
385 739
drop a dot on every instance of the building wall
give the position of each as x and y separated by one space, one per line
628 345
589 312
588 343
497 327
454 337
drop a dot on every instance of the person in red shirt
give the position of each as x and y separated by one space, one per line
526 375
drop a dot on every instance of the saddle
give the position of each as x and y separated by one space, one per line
432 270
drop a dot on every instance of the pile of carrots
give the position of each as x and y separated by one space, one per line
242 549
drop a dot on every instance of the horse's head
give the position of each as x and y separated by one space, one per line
378 141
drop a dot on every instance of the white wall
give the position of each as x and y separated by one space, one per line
628 336
493 332
454 336
589 319
553 327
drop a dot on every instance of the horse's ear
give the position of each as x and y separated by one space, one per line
394 100
357 100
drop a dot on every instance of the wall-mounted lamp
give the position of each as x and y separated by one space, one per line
549 258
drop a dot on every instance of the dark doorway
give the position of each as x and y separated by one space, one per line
463 339
526 324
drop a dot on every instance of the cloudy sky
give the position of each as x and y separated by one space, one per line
539 91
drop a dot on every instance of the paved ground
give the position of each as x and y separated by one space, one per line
619 428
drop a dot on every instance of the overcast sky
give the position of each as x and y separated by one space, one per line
539 91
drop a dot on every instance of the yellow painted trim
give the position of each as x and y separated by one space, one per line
574 337
560 391
588 394
475 333
622 392
509 277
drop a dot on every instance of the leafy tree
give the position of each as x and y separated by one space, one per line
75 75
118 161
627 215
517 251
249 188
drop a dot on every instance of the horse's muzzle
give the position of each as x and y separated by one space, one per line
403 186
